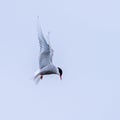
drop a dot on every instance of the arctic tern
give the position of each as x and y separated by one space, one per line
46 66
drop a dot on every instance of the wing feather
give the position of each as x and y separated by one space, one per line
46 52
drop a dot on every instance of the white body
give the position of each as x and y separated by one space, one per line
45 59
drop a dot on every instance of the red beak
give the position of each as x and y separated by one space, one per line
60 77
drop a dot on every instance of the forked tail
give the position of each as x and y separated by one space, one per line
37 73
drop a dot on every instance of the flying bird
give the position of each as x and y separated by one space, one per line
46 65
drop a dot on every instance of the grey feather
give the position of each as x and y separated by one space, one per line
46 52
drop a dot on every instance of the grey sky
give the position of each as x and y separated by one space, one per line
85 36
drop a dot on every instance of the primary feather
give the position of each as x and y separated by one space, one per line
46 52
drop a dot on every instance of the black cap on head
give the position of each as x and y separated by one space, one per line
60 71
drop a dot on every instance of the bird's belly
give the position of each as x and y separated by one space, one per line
48 70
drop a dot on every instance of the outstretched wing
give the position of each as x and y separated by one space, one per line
46 51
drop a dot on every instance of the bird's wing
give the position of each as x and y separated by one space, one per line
46 51
51 50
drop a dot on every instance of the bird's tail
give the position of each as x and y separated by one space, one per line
37 73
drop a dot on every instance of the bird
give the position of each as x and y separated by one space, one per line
46 66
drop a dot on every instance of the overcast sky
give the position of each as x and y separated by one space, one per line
85 36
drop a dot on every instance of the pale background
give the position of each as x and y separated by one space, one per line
85 36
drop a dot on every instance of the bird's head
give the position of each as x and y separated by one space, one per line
60 72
